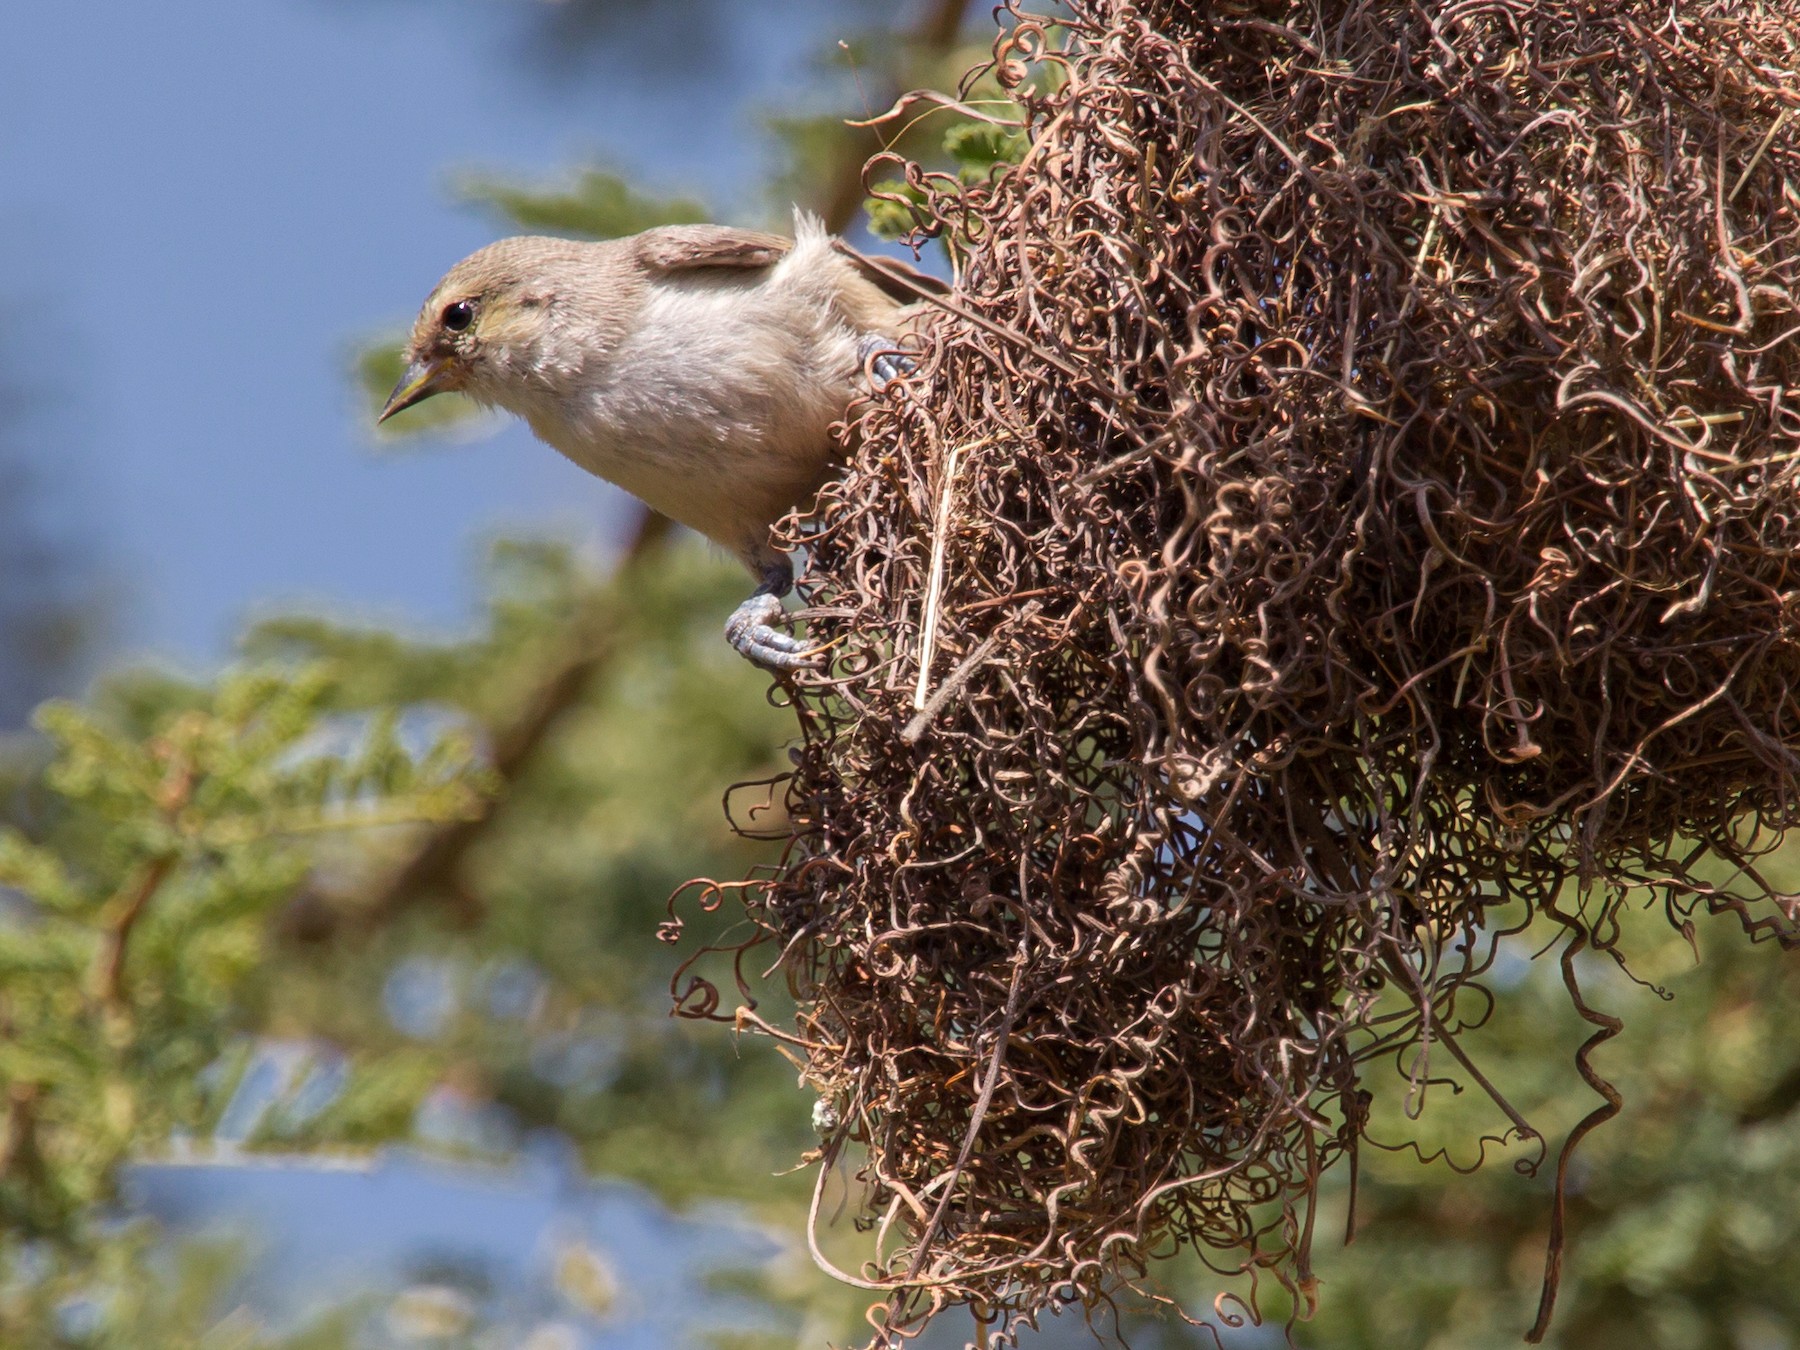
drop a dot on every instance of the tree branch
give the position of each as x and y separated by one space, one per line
18 1145
433 871
127 908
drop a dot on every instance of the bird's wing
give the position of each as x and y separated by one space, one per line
680 248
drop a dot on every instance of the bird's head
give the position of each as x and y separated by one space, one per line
498 325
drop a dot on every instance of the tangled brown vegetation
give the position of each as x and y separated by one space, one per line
1349 509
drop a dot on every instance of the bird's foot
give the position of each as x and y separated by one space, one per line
752 633
879 355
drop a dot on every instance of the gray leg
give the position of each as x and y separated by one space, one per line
890 363
751 631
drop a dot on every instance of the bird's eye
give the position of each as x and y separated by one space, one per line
458 316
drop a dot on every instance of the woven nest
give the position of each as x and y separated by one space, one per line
1349 509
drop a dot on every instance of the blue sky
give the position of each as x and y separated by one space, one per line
317 1232
204 204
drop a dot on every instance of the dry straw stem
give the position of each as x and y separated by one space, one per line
934 586
1374 529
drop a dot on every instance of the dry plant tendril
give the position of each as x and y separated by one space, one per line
1376 432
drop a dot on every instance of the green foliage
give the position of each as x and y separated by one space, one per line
135 925
614 811
1685 1214
594 205
249 851
135 1294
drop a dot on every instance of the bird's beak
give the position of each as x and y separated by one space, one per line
423 378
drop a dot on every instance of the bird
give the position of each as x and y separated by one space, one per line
699 367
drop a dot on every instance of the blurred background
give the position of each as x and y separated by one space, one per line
332 1011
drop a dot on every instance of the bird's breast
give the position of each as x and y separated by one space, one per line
716 410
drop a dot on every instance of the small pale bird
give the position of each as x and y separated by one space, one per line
699 367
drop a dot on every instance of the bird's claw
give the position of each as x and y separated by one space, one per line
884 360
752 633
